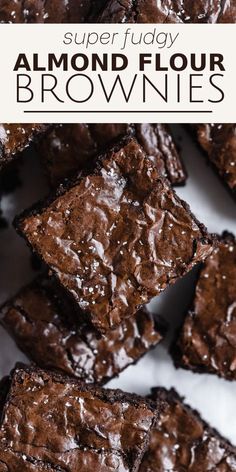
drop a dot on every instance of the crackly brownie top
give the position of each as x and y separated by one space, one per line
207 341
182 442
49 11
169 11
68 148
219 142
15 137
118 237
62 422
43 322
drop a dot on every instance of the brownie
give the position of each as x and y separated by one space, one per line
49 11
219 144
14 138
207 340
68 148
64 423
182 442
42 322
169 11
117 237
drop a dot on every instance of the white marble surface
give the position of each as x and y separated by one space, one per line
214 398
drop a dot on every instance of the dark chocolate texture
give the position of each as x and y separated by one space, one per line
44 324
183 442
117 11
219 143
49 11
169 11
14 138
117 237
68 148
3 221
207 341
62 423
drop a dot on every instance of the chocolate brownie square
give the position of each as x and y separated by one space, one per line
69 148
115 11
53 11
117 236
218 141
181 441
63 423
207 340
14 138
43 322
169 11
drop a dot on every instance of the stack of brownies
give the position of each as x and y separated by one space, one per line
112 235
